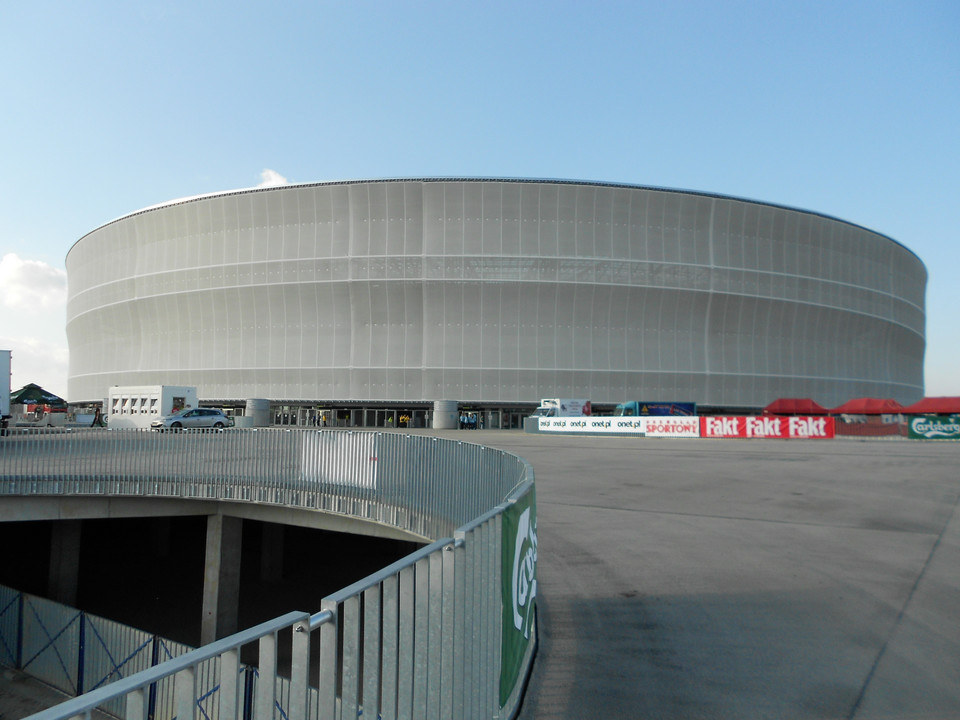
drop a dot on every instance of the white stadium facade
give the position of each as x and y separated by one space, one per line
390 295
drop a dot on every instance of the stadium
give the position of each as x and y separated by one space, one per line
372 298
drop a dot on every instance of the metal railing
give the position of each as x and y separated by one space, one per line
422 638
425 485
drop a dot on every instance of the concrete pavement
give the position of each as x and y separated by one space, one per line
745 579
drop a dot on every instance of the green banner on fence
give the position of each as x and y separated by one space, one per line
518 582
934 427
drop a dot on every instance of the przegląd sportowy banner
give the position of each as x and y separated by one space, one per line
518 587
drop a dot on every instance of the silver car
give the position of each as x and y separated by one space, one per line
194 418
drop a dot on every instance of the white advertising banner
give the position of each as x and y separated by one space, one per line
686 427
643 426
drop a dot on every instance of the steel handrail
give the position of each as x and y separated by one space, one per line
83 704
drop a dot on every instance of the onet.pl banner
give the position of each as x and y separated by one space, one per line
652 426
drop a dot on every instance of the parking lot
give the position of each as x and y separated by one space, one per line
744 579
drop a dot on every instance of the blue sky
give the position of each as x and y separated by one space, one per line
850 109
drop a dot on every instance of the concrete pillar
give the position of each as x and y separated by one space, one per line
64 572
258 410
271 553
221 578
445 415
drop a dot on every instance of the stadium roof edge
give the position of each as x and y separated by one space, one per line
467 178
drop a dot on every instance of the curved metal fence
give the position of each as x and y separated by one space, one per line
448 632
426 485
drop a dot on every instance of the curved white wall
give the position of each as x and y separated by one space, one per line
494 292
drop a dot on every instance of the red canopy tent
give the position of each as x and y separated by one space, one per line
795 406
869 406
934 406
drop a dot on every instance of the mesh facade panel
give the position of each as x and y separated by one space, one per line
493 291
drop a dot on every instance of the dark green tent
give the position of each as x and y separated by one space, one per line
34 394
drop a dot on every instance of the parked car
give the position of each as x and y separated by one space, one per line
192 418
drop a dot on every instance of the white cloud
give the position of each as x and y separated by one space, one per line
271 178
33 296
31 286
